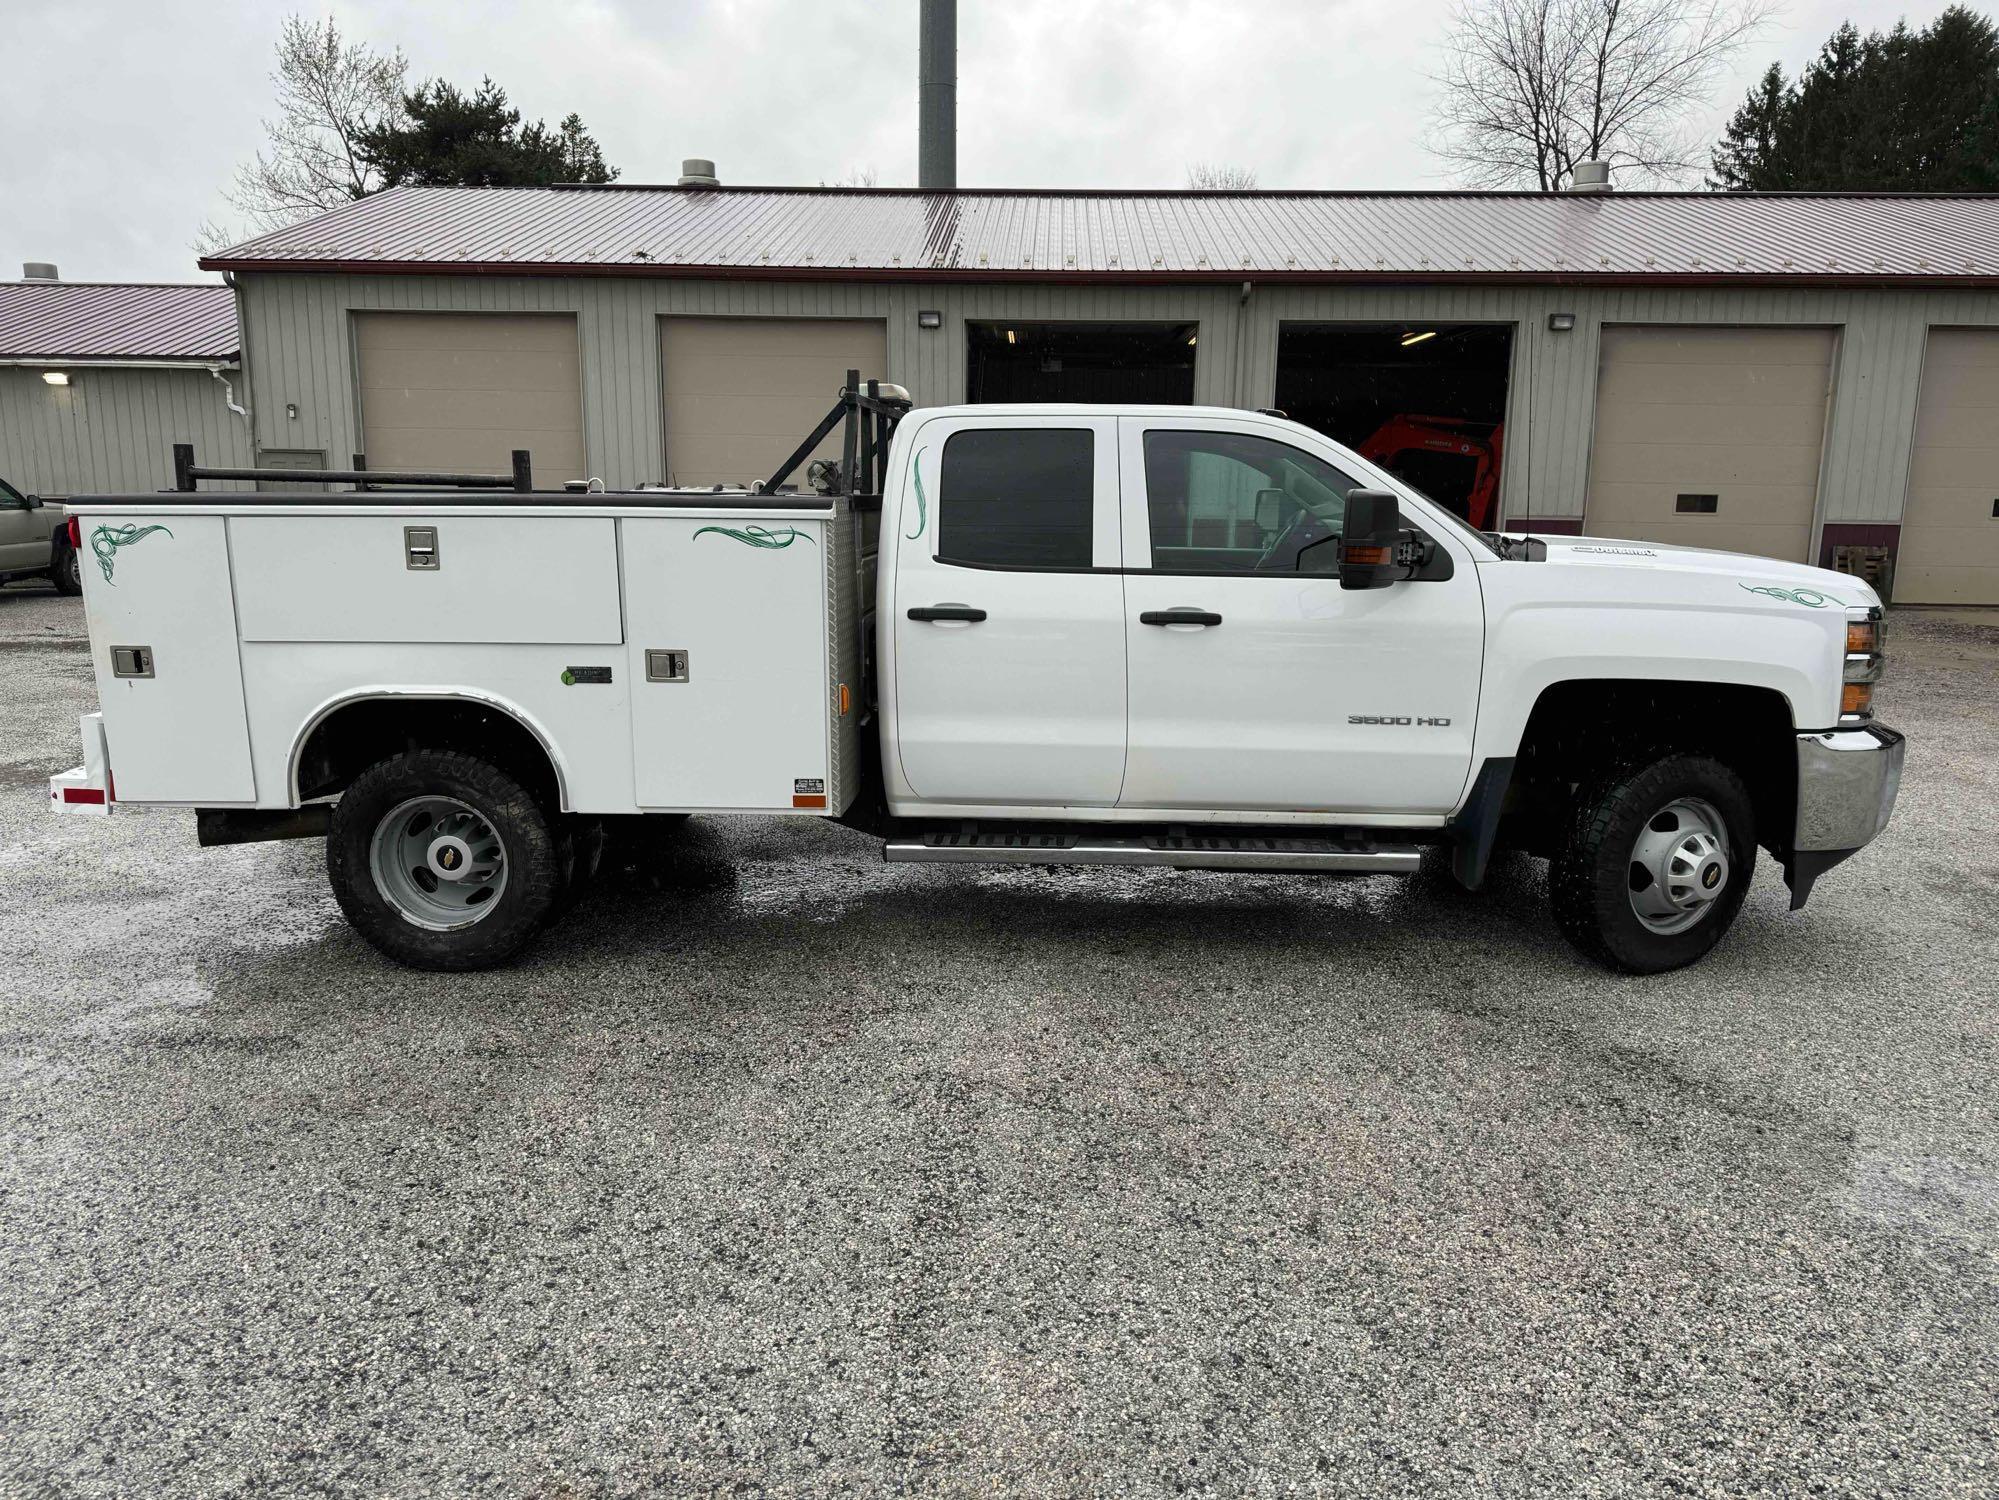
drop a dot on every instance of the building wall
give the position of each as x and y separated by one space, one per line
298 349
112 430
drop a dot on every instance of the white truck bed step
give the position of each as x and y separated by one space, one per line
1176 851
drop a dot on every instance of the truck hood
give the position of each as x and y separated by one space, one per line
1597 551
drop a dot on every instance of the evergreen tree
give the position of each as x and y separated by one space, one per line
1748 156
1900 111
450 139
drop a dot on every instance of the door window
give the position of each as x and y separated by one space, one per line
1226 502
11 498
1017 498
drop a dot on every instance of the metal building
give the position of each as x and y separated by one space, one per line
1812 376
98 382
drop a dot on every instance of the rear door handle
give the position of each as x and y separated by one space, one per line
963 612
1179 617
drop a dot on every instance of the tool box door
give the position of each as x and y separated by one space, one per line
726 624
169 671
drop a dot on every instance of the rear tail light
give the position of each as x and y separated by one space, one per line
74 525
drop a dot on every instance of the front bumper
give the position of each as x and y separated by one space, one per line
1847 781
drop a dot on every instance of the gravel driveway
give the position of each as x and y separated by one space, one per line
795 1172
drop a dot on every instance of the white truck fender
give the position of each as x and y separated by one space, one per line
434 694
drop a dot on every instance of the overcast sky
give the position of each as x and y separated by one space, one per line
127 117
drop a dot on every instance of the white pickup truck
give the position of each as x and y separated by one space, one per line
1184 636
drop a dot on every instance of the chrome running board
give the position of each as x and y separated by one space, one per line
1180 852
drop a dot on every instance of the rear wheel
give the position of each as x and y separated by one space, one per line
66 570
442 861
1656 864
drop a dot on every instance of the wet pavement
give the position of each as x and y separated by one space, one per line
785 1170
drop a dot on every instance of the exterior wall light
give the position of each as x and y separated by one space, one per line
1561 322
929 318
55 377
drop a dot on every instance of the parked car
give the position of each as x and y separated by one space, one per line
1049 635
35 541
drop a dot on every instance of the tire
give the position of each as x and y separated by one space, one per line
376 860
1629 825
66 570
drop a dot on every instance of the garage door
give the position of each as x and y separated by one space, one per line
461 391
741 393
1710 437
1949 552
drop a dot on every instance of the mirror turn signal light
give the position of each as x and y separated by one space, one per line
1367 556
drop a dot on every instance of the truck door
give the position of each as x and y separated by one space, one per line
1256 682
1007 613
21 544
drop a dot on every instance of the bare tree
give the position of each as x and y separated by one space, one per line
329 90
1220 177
859 177
1531 87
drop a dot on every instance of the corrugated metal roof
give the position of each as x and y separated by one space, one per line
911 234
101 320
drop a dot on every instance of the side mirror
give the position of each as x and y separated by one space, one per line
1373 546
1270 511
34 501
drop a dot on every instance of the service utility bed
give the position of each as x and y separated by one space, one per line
691 651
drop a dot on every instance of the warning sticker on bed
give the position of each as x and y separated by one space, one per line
808 791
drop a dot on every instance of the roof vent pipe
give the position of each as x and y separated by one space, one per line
937 95
697 172
1590 177
39 270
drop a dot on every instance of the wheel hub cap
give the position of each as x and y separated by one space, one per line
450 858
438 862
1679 865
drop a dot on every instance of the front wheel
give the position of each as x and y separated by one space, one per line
1656 864
442 861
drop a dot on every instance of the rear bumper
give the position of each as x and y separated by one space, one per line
1847 782
86 788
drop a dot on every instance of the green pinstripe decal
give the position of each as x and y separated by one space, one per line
1810 598
922 500
106 540
759 536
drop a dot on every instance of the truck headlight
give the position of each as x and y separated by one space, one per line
1862 666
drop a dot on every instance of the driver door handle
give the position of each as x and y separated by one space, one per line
1179 617
963 612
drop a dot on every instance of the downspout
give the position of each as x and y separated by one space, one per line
242 359
228 393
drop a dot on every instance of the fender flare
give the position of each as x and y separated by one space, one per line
492 701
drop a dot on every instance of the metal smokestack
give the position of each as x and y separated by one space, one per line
937 95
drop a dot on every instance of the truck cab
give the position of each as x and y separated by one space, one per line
1136 614
1172 636
35 541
